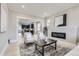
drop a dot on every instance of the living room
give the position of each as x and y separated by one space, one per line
47 21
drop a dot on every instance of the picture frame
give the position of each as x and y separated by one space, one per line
60 21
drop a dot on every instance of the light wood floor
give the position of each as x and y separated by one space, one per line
11 50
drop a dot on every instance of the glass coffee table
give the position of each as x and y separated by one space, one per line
42 45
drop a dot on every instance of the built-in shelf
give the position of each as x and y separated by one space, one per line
29 28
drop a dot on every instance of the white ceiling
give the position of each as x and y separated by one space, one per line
40 9
25 21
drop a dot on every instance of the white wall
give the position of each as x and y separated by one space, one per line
72 24
12 26
4 35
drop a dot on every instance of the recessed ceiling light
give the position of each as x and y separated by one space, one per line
22 6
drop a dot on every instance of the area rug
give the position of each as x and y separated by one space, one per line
49 50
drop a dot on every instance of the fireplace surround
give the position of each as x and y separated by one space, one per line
58 35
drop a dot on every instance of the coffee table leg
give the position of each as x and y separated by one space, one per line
35 46
55 45
42 50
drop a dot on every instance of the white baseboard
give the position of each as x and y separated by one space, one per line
13 41
4 49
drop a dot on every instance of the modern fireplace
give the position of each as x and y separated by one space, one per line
58 35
